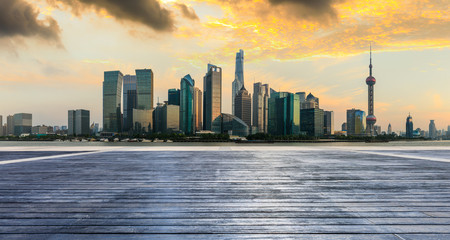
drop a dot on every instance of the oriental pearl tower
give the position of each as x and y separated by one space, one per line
371 119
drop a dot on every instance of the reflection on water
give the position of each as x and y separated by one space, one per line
137 144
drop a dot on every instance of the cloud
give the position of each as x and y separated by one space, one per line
148 12
187 11
309 8
20 18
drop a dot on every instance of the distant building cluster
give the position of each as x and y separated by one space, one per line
191 110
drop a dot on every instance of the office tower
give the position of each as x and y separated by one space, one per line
187 125
142 120
432 130
312 122
409 127
309 102
10 125
212 95
356 122
112 100
260 107
344 127
370 81
302 96
284 113
166 118
1 126
129 101
22 123
78 122
174 96
231 125
5 129
389 129
377 129
198 97
243 106
238 82
328 122
144 81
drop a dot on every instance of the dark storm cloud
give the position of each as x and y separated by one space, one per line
309 8
147 12
187 11
19 18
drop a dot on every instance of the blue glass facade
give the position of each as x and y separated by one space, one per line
112 99
174 96
187 124
284 113
144 90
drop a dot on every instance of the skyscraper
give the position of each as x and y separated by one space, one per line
432 130
243 106
166 118
78 122
284 113
144 81
212 95
238 82
389 129
328 122
112 100
174 96
22 123
1 126
312 121
370 81
10 125
356 122
129 101
409 127
187 124
260 107
198 97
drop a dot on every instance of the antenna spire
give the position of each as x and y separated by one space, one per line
370 66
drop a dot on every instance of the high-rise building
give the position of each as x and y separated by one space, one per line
309 102
174 96
142 120
356 122
328 122
377 129
243 106
261 96
10 125
409 127
344 127
302 96
198 97
312 122
238 82
1 126
284 113
212 95
5 129
22 123
112 100
78 122
389 129
166 118
129 101
370 81
145 82
187 124
432 133
229 124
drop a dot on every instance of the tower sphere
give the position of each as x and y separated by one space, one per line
371 119
371 81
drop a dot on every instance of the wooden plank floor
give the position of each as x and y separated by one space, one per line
268 193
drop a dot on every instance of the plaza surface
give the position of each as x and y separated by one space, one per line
228 192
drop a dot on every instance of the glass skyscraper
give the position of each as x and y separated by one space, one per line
328 122
311 122
187 124
243 106
78 122
129 101
260 107
356 122
198 98
174 96
112 99
22 123
212 95
409 127
238 82
284 113
144 90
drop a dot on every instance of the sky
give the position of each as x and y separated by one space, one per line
53 52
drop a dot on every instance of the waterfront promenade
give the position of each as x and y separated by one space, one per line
228 192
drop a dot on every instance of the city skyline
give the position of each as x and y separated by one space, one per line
48 76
